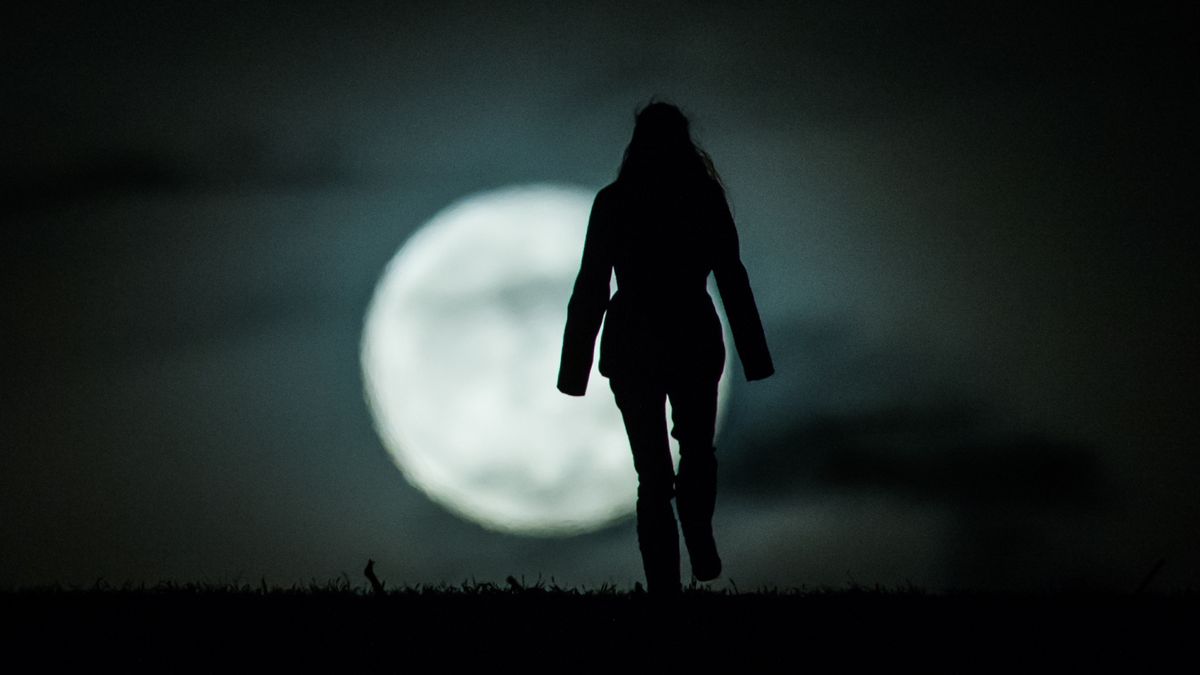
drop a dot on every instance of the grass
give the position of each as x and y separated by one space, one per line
850 627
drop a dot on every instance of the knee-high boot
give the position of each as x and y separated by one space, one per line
696 498
658 540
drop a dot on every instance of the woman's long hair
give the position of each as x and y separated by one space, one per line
662 150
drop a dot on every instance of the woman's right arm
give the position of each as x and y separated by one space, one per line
734 285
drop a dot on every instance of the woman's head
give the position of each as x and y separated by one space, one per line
662 147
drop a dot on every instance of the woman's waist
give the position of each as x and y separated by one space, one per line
662 308
661 295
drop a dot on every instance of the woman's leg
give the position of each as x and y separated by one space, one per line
643 408
694 419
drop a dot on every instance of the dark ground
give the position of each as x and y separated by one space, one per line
540 625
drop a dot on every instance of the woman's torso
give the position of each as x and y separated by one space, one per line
661 318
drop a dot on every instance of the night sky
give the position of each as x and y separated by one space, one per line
970 232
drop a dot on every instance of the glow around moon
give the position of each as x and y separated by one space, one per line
460 357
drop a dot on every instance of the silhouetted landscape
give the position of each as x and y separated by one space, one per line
528 620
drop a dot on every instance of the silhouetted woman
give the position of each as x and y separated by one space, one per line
663 225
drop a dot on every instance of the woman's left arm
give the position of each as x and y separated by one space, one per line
589 300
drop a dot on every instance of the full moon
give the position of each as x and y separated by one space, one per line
460 352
